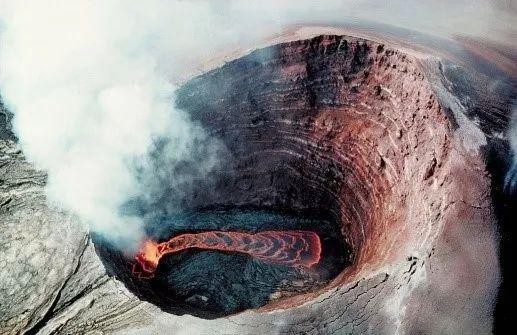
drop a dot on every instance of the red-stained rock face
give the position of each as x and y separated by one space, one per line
345 129
333 124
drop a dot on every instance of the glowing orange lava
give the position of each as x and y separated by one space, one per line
293 248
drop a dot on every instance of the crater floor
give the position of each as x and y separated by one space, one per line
212 283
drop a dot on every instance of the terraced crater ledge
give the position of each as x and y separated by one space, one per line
351 131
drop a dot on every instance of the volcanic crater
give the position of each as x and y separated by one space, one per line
333 135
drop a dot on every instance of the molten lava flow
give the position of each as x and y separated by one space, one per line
293 248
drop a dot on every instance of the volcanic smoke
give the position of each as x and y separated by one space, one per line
292 248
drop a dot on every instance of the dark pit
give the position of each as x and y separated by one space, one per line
328 135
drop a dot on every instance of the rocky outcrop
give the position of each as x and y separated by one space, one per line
332 124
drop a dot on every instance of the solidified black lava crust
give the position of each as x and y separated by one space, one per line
212 284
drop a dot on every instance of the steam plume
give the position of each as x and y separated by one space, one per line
90 98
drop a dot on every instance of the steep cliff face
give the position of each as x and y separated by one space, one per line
338 125
357 131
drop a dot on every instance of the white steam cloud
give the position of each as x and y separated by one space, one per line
89 81
89 96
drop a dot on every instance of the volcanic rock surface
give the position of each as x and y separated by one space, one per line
372 137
